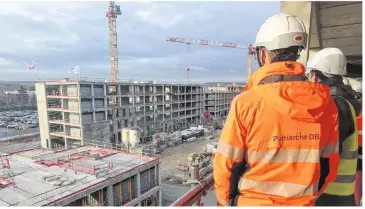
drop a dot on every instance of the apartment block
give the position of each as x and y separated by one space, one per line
71 112
218 99
82 176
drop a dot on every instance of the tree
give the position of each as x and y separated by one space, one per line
33 100
23 96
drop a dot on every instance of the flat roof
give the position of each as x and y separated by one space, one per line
39 176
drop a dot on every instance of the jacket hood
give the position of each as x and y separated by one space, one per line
300 100
338 88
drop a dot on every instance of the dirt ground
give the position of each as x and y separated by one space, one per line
172 155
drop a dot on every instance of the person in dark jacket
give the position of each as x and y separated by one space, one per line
328 67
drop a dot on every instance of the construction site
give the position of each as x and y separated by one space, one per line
145 143
79 111
82 176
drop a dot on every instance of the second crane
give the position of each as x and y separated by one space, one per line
220 44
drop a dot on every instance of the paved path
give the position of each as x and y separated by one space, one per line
4 133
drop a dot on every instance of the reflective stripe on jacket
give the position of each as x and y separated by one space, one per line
344 184
359 129
280 129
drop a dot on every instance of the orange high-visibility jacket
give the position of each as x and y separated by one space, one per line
281 130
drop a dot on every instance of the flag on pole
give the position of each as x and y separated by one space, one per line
31 67
75 69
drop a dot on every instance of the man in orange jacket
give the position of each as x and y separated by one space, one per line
281 134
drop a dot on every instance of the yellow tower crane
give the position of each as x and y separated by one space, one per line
112 14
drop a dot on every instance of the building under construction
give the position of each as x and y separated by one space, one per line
71 112
218 100
82 176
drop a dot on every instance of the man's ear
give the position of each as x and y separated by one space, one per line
262 57
313 78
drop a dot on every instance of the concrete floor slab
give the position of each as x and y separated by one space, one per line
29 188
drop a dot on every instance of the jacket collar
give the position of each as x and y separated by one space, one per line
277 68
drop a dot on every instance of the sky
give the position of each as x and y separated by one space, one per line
57 36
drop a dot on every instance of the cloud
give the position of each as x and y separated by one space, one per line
59 35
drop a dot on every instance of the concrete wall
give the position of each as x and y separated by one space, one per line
75 132
74 118
72 104
86 104
71 90
97 131
98 91
87 118
42 114
99 103
99 116
85 91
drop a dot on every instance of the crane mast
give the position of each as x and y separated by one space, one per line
113 12
218 44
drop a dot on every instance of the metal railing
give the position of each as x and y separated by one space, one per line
195 194
64 94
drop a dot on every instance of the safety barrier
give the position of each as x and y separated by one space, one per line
195 193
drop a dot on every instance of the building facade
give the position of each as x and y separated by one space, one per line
218 100
71 112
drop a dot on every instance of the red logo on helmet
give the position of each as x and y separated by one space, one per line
298 38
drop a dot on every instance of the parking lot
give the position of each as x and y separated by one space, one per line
18 123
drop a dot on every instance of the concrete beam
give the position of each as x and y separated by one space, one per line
104 184
144 196
110 194
303 10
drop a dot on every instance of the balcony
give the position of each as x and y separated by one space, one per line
67 135
64 122
55 107
62 95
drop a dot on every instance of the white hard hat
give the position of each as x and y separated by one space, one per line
281 31
330 61
357 87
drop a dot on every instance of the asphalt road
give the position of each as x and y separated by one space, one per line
4 133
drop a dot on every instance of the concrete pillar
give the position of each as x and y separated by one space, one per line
163 108
66 146
303 10
110 194
138 181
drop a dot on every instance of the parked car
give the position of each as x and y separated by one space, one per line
33 125
18 127
12 125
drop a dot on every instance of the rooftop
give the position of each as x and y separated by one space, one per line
38 177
